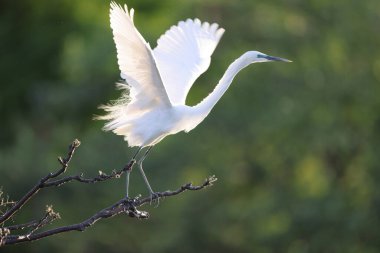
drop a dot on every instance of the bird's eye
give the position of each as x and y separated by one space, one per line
261 56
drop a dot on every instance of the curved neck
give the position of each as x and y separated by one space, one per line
209 102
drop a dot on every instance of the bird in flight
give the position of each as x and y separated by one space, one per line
157 81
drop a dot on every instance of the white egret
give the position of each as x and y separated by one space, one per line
152 105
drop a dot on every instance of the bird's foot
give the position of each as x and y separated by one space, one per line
132 210
155 198
132 200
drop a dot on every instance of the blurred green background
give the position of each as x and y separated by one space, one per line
295 146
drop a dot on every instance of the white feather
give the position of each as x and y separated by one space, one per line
145 89
183 53
153 102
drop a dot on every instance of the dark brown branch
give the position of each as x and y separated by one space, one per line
80 178
127 206
48 218
186 187
30 224
35 225
19 204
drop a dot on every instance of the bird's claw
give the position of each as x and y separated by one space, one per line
133 200
155 197
133 212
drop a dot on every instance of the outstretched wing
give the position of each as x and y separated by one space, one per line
136 62
144 90
183 53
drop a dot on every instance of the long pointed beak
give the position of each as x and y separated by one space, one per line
274 58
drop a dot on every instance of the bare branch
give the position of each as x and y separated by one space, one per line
123 206
208 182
48 218
30 224
64 162
127 206
80 178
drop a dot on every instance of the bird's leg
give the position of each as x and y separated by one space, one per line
128 173
127 184
152 193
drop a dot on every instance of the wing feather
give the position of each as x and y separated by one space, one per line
183 53
144 89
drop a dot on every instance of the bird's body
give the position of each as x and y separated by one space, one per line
152 126
149 127
158 81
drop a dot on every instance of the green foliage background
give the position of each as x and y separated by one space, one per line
295 146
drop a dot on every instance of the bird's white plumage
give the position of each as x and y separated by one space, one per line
136 63
144 90
153 103
183 53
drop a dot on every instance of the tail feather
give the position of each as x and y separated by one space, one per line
116 109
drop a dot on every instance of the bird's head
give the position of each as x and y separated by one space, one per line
256 56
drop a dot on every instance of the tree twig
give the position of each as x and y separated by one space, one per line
127 206
18 205
123 206
50 216
80 178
